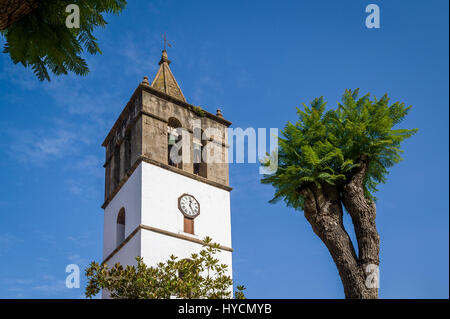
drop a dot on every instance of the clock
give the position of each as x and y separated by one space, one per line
188 206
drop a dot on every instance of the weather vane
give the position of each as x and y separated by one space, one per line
165 41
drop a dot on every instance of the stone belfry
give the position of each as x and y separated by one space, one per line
154 205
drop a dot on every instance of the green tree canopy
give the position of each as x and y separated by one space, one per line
331 160
200 276
40 38
325 146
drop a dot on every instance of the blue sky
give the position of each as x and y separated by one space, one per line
257 61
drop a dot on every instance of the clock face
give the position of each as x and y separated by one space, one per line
188 205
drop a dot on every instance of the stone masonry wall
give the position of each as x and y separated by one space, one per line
141 130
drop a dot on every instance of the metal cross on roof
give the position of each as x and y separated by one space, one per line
165 41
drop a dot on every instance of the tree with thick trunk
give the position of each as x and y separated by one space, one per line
331 161
324 212
13 10
363 213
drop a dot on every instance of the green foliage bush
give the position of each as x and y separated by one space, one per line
200 276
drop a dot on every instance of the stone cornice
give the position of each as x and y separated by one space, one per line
165 166
187 174
163 232
186 105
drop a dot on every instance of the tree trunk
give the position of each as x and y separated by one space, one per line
363 213
13 10
323 210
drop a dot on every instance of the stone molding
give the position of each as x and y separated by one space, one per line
165 166
159 231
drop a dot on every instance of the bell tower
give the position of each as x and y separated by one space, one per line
166 177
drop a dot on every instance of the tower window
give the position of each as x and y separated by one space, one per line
120 227
127 164
116 173
200 166
173 137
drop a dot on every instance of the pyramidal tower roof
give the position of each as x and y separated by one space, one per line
164 80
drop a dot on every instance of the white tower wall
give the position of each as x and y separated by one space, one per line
154 224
